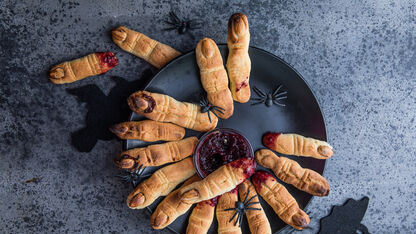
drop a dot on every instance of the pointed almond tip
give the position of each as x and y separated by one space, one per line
325 151
126 163
159 221
137 200
117 129
119 34
137 103
57 73
300 221
320 190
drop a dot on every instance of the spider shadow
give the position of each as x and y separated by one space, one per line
104 110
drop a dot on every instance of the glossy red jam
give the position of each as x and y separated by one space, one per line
260 177
218 148
247 164
241 85
212 202
270 138
235 190
107 60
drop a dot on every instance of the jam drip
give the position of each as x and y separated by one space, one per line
107 60
260 177
220 148
151 103
270 138
212 202
241 85
247 164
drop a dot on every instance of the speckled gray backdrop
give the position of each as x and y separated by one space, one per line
358 57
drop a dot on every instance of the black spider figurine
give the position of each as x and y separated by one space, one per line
241 208
182 26
270 98
207 107
131 176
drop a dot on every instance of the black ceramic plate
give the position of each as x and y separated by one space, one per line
180 79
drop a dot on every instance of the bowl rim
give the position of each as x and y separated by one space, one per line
203 136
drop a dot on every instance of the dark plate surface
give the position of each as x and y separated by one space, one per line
180 79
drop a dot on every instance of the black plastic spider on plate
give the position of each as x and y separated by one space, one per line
182 26
241 208
207 107
132 177
269 98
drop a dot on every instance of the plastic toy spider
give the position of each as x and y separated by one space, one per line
241 208
131 176
182 26
207 107
270 98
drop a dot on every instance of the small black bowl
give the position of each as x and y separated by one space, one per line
205 136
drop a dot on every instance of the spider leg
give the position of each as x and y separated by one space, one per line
248 202
240 220
230 209
220 108
139 168
233 216
279 94
252 208
203 102
277 103
214 113
245 199
280 98
259 92
174 17
277 90
236 220
134 183
220 111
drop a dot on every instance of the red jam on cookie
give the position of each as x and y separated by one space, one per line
270 138
260 177
107 60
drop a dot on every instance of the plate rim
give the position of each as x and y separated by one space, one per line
149 82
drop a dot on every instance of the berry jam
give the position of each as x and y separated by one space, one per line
270 138
260 177
220 147
107 60
212 202
241 85
248 164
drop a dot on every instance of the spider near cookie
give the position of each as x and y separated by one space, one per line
220 188
226 191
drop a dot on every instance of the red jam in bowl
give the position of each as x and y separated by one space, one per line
219 147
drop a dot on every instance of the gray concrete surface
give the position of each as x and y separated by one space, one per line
358 56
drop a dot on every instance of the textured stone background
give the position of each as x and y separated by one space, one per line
358 57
